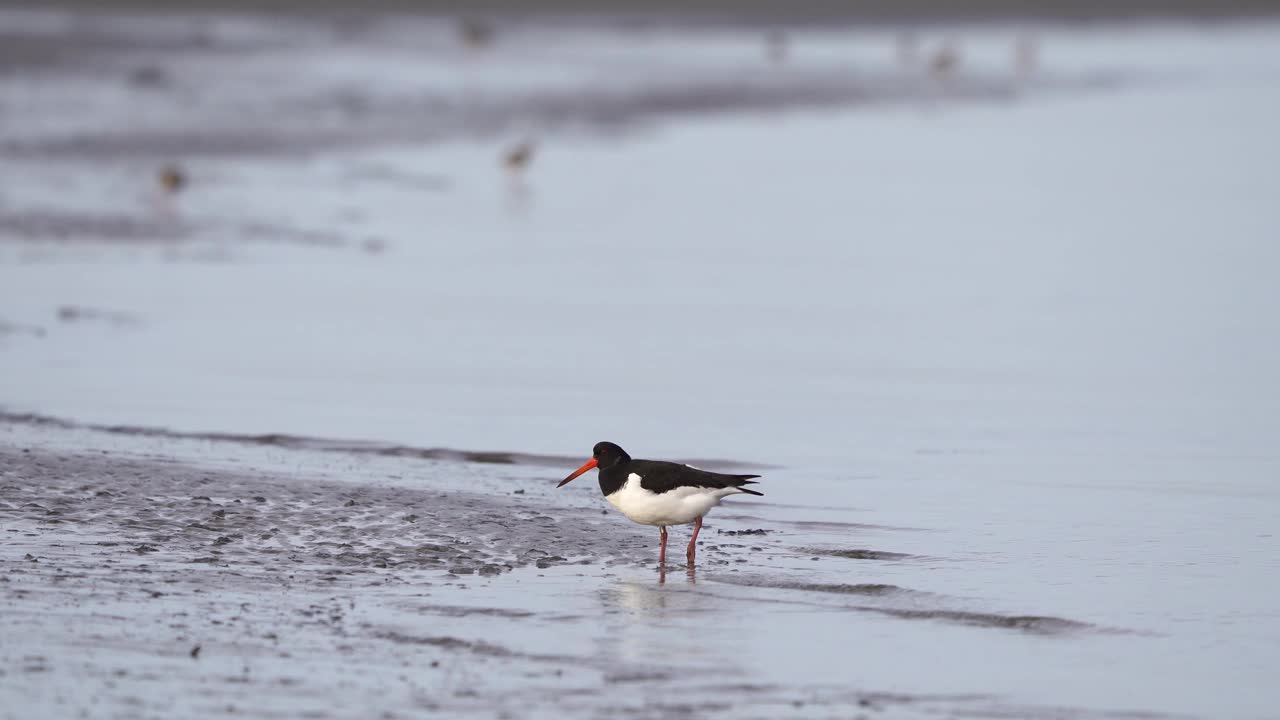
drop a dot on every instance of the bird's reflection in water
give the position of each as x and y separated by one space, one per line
691 572
648 619
646 598
518 198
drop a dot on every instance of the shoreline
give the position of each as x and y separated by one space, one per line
339 445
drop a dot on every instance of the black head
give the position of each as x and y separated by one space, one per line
607 454
604 455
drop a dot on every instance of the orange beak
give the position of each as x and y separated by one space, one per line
587 466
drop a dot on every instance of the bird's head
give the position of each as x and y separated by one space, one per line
604 456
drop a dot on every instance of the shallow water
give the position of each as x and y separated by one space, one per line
1003 348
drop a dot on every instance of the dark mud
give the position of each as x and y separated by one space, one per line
857 554
865 589
80 313
1036 624
50 226
160 227
21 329
348 447
841 527
244 522
907 604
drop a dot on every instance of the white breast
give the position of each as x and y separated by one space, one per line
674 507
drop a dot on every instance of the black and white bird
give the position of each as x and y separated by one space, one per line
654 492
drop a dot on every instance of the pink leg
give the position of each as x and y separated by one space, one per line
662 554
693 541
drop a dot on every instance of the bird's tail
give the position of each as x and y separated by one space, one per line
741 480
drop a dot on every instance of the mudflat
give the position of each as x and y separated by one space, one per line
303 316
149 578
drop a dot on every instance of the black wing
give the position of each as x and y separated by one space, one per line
658 477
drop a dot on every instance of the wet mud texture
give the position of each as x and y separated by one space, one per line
150 588
146 587
143 586
245 522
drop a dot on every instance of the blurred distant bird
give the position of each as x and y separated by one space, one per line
653 492
1025 55
172 179
519 157
945 61
476 33
776 46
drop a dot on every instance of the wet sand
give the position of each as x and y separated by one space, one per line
165 577
149 587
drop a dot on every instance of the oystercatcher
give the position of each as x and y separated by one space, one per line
945 61
653 492
518 158
172 179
